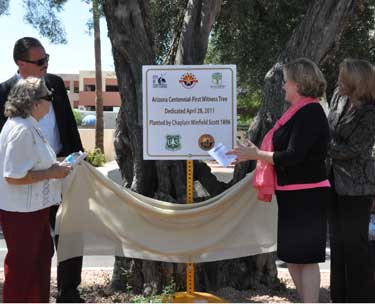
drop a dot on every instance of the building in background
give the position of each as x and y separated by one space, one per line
81 90
71 82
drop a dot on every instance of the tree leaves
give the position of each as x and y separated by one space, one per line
4 5
42 15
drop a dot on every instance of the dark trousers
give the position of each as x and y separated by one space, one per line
68 272
27 265
350 257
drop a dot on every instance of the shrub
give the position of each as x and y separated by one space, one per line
96 158
77 117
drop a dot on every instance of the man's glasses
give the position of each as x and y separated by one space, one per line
39 62
47 97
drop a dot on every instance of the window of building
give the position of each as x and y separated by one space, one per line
89 87
107 108
76 87
111 88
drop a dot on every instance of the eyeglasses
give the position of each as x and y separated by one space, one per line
39 62
47 97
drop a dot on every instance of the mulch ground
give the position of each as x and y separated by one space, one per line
94 288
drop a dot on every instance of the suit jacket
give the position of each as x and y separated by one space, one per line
300 147
350 149
69 136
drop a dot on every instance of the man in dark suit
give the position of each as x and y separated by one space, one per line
60 128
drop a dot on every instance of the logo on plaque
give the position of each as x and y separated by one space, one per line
173 142
159 81
216 80
206 142
188 80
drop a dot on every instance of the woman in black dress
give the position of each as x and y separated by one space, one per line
295 149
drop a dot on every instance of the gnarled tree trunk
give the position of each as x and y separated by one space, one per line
131 35
316 36
132 43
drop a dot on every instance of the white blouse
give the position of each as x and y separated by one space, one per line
24 148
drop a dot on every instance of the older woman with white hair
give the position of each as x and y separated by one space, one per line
29 187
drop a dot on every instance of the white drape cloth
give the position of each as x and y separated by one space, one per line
98 217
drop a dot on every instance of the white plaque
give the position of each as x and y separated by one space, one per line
187 110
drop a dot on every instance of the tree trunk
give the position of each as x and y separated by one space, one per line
132 44
316 36
130 32
99 127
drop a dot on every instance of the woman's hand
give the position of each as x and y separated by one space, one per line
246 152
59 170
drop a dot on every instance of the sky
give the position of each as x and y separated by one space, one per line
76 55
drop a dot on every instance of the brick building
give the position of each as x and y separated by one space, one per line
81 90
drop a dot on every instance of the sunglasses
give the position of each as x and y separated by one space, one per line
39 62
47 97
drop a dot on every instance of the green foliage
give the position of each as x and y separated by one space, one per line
167 17
165 297
42 15
248 103
251 34
4 5
96 158
357 41
169 291
77 117
90 22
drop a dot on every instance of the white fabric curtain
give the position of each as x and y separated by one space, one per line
98 217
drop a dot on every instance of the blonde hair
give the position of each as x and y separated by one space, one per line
308 77
358 77
24 95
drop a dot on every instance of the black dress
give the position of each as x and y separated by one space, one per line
300 150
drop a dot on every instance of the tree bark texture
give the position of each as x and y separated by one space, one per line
316 36
131 36
132 44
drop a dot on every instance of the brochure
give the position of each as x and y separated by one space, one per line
218 152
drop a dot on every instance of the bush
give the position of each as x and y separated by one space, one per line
77 117
96 158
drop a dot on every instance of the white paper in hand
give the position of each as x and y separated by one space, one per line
218 152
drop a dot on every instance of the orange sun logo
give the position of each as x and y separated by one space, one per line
188 80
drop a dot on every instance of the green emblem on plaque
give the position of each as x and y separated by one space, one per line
173 142
217 78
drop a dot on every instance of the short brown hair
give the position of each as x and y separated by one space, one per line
308 77
359 78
